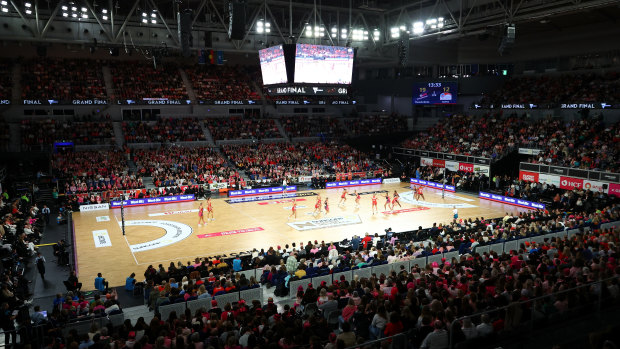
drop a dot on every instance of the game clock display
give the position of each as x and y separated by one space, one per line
442 92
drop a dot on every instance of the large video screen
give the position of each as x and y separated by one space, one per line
317 64
439 92
272 65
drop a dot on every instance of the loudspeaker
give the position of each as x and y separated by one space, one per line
184 25
236 26
507 40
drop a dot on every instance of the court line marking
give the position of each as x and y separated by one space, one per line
127 241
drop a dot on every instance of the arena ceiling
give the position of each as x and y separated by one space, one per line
377 26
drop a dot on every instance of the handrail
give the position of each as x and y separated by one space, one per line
536 299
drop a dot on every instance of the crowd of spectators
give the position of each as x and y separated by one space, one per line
565 88
21 229
140 79
377 125
6 80
485 136
62 79
38 133
180 166
278 161
311 126
223 83
242 128
585 143
80 133
163 131
93 171
492 290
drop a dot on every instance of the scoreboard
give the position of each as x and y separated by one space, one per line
437 92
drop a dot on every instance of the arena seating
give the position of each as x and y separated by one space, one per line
62 79
586 144
139 80
180 166
277 161
223 82
565 88
5 136
36 133
241 128
487 136
6 80
93 171
311 126
413 301
163 130
377 124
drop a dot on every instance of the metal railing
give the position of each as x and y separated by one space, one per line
542 315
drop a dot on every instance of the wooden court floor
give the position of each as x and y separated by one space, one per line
170 232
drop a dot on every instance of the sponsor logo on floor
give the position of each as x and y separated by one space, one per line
102 238
290 207
268 197
452 196
171 213
103 219
327 222
370 192
408 198
175 232
405 210
280 201
230 232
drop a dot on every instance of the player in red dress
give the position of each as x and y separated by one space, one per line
420 193
357 199
201 218
395 199
388 202
294 210
326 206
374 204
317 206
343 197
210 210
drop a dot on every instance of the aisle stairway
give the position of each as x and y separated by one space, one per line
109 82
207 133
188 85
281 129
17 84
118 134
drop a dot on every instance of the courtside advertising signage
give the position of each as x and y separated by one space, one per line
153 201
261 191
354 183
433 185
511 201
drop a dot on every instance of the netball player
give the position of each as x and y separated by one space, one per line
374 204
395 199
293 210
201 218
210 210
326 206
343 197
388 202
357 199
420 195
317 206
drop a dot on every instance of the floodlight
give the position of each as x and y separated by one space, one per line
418 28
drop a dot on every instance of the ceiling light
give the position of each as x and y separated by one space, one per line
144 20
153 21
85 16
153 15
84 9
418 28
73 8
143 14
28 4
28 12
104 17
64 8
74 15
104 11
5 10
